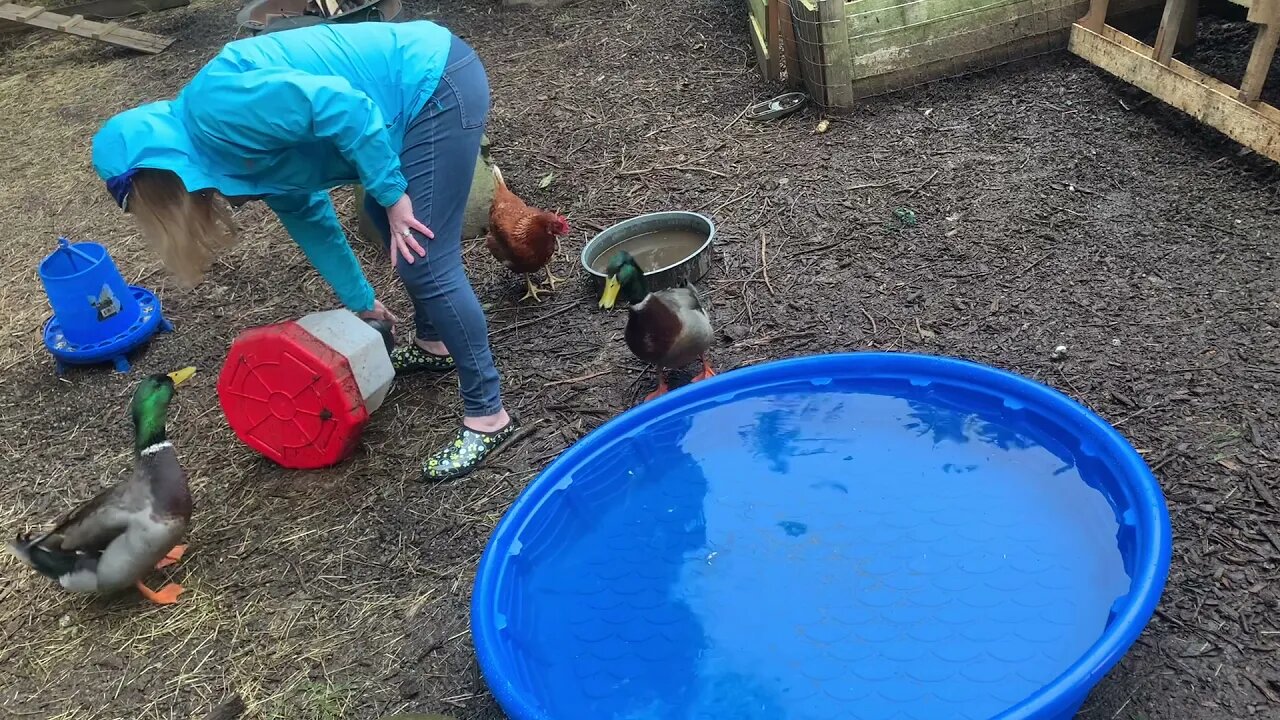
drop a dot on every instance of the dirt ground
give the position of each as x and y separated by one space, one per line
1056 207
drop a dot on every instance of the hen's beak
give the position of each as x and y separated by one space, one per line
610 296
180 376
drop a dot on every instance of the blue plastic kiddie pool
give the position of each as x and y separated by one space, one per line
867 536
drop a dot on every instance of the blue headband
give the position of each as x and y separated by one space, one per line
119 187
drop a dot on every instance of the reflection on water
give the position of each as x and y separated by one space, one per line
830 555
942 424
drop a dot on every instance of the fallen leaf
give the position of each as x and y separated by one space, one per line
546 181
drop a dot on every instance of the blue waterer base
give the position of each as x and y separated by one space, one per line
116 349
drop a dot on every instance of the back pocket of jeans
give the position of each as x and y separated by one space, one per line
471 87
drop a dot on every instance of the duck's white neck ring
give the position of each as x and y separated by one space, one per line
153 449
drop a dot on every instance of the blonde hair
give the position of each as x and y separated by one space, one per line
186 229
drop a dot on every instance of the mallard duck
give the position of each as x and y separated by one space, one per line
111 541
669 328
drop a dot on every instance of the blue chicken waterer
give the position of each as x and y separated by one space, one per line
96 316
856 536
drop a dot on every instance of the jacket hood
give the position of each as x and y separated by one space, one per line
148 136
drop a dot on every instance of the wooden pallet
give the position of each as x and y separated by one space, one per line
774 40
100 10
844 50
1236 112
77 25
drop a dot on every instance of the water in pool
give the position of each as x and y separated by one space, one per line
801 557
654 250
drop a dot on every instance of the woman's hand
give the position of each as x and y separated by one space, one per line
403 223
382 314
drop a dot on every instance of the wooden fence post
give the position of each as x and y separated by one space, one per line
837 63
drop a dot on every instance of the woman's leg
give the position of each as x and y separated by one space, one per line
439 156
427 351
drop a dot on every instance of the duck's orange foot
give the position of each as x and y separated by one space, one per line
166 595
706 371
172 557
662 387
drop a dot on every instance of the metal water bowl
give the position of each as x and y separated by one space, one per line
691 268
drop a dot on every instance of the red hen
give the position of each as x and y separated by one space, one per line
523 238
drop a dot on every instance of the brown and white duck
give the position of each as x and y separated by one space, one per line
669 328
112 541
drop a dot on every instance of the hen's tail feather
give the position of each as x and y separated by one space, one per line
497 176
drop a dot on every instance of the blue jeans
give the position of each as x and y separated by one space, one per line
438 160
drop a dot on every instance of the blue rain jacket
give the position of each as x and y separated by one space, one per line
286 117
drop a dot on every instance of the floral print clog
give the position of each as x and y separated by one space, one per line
412 358
465 453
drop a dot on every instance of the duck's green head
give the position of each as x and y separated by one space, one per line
623 275
150 405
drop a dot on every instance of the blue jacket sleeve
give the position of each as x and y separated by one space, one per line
281 107
313 224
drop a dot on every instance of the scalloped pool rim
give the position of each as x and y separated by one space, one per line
1057 700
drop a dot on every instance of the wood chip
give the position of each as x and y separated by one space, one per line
1265 493
1263 687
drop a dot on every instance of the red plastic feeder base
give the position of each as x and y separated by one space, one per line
291 397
